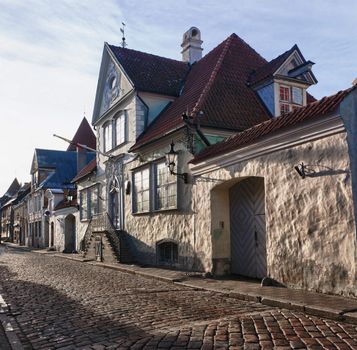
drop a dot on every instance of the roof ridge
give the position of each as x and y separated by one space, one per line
214 73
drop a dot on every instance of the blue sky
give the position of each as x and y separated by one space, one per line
50 54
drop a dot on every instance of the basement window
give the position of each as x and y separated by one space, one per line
167 252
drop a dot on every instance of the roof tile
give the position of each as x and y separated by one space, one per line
313 110
217 86
152 73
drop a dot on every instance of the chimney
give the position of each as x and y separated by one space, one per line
191 45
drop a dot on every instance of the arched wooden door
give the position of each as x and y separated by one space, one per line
248 232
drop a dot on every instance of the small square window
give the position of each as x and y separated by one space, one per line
284 108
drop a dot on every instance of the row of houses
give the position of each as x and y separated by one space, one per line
222 164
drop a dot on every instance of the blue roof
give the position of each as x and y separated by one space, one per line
64 165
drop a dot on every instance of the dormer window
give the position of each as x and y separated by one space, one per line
290 97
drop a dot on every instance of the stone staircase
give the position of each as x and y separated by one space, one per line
104 243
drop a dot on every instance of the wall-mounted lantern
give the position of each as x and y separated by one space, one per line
171 157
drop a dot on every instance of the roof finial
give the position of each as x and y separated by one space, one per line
123 43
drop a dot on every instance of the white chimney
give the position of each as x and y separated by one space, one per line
191 45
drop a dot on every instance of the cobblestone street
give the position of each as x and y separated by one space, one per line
62 304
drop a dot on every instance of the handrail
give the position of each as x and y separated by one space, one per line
102 223
87 235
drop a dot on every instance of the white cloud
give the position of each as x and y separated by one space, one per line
50 54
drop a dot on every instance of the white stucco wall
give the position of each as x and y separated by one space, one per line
311 239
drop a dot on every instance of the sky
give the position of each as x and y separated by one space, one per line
50 54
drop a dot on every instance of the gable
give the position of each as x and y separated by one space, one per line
291 62
113 84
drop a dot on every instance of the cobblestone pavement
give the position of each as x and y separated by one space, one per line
62 304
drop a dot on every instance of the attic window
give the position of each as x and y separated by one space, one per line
290 97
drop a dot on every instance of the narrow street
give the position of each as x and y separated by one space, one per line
62 304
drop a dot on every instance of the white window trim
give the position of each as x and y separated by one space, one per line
106 147
134 192
119 115
152 166
155 187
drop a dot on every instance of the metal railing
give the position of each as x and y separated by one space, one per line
102 223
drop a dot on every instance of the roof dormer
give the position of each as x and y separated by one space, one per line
282 83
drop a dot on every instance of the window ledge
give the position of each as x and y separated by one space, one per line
141 213
156 211
165 210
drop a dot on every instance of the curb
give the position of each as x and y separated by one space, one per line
348 315
12 338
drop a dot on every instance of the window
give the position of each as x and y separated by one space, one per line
119 123
165 187
284 93
141 191
296 94
290 97
108 137
114 132
167 252
89 202
284 108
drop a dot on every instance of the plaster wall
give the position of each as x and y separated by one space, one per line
58 220
155 103
311 239
145 230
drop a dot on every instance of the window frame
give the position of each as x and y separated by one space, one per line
289 102
174 252
120 115
166 186
135 193
107 125
153 208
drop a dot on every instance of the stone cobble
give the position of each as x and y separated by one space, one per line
62 304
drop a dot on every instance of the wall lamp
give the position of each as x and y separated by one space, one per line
300 168
171 157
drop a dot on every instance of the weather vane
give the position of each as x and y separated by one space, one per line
123 43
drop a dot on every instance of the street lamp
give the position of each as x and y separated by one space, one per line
171 157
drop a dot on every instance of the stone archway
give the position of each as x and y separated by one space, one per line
247 228
69 234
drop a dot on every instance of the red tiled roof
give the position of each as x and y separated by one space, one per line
152 73
271 67
249 136
90 167
217 86
84 135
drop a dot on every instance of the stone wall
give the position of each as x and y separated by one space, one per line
311 239
145 230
